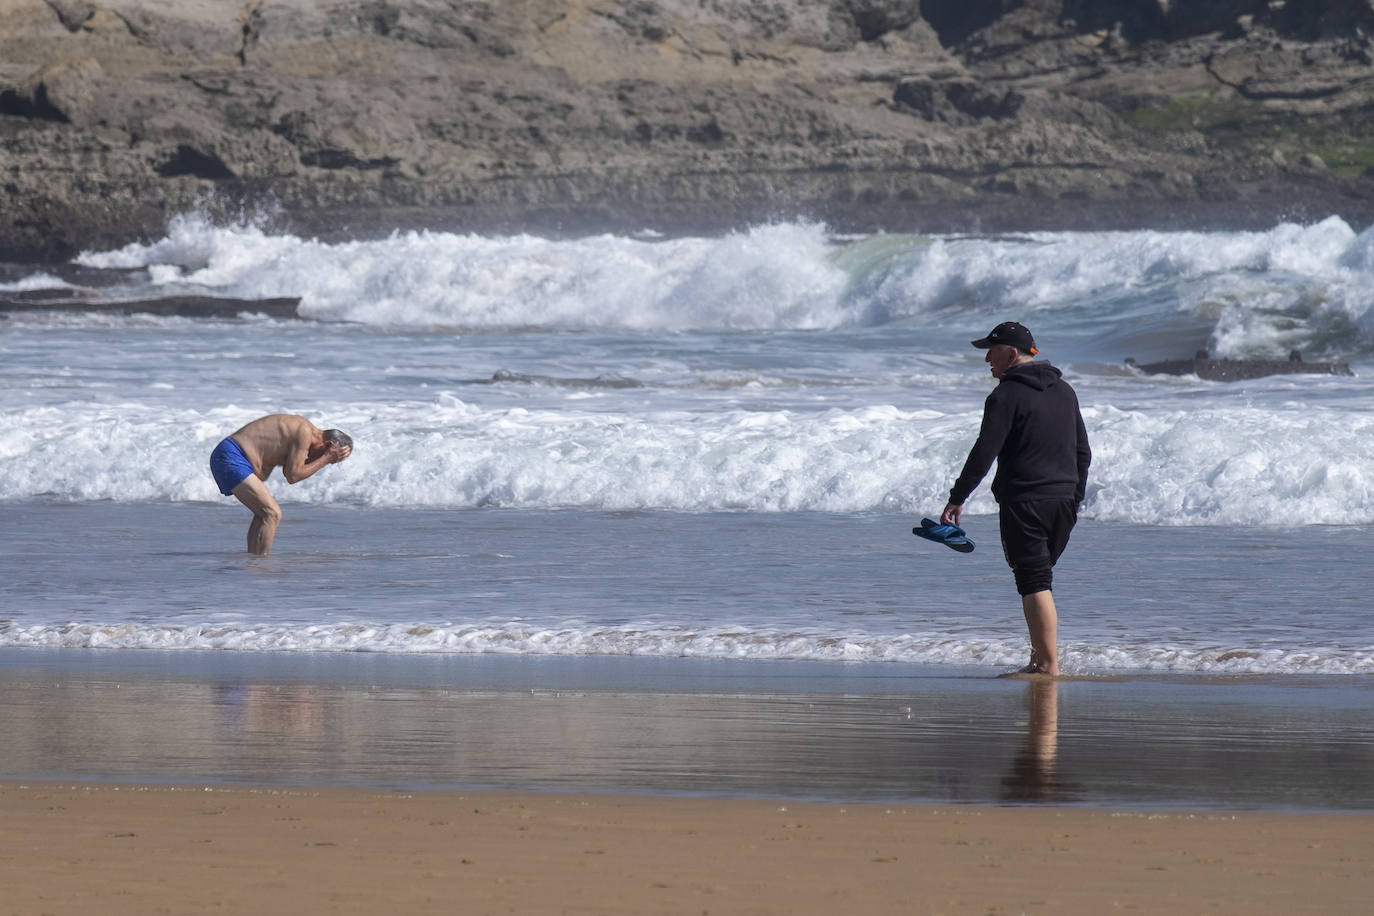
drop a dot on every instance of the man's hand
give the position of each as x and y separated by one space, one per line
339 452
952 514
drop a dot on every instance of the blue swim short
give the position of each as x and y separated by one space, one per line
230 466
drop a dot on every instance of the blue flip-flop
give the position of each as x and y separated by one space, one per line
951 536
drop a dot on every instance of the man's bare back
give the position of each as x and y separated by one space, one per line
280 440
289 442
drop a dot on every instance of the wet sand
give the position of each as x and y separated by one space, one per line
186 782
668 726
146 848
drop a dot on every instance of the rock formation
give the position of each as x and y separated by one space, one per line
355 116
1206 366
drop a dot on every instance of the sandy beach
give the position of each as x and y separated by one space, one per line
193 782
77 849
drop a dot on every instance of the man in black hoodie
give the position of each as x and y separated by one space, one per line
1034 430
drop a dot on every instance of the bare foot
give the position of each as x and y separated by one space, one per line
1036 668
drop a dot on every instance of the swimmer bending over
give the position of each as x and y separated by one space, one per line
246 458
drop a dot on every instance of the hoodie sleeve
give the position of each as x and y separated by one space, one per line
1085 458
997 416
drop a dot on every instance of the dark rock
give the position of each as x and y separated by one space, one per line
1161 20
73 13
1315 19
956 20
873 19
922 95
187 160
184 306
1235 370
962 101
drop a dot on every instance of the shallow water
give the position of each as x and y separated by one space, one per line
677 477
778 370
757 586
815 730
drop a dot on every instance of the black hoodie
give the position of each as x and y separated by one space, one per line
1033 428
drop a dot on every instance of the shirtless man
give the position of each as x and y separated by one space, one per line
245 459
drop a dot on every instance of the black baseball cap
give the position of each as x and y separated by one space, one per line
1010 333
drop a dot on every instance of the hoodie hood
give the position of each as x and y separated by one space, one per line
1037 375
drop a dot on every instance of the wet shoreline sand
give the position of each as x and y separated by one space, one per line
143 781
801 731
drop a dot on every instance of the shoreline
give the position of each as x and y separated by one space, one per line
690 728
132 848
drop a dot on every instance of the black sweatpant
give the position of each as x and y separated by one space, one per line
1034 534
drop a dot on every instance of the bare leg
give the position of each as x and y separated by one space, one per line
1043 734
1042 620
254 494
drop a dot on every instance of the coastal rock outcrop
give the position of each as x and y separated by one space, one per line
1214 369
351 116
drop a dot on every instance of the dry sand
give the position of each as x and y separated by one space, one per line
104 848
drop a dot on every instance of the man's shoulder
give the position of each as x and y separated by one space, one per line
276 428
288 424
273 419
1034 377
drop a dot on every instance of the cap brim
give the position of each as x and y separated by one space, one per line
983 343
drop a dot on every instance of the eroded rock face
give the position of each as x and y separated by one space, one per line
571 115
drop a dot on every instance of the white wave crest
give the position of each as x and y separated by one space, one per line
769 277
1216 465
1254 293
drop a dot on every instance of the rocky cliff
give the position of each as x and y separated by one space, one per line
343 116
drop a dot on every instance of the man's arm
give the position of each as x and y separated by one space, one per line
991 437
299 465
1085 458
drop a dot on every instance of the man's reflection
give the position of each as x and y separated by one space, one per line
1034 774
274 709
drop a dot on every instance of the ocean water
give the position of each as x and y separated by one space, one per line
715 448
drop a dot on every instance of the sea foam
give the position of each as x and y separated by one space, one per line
1215 465
711 642
1256 293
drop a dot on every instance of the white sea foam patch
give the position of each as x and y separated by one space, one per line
519 638
714 642
759 461
451 454
40 280
1304 287
1210 466
1217 660
1232 466
770 277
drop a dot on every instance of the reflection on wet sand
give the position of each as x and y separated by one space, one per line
961 740
277 709
1034 775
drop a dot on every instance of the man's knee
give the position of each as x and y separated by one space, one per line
1030 580
269 515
